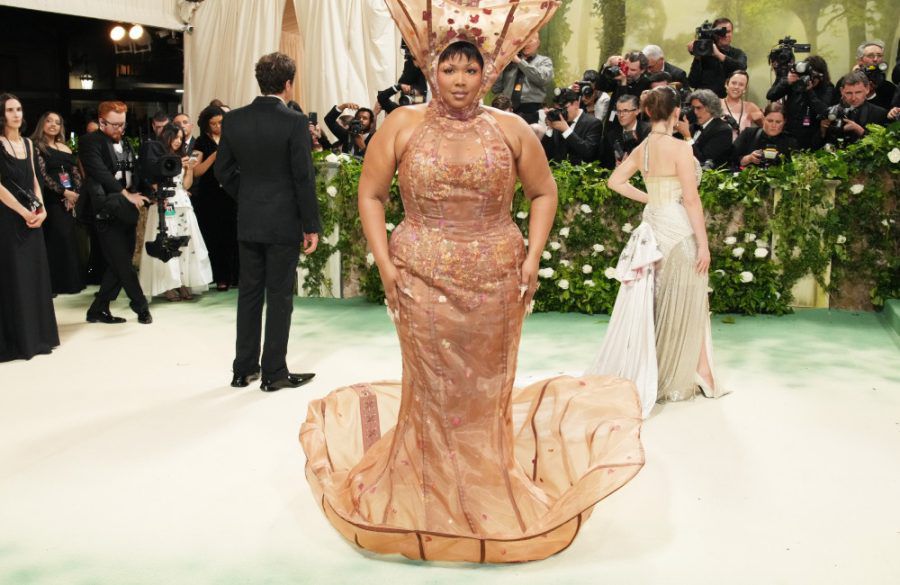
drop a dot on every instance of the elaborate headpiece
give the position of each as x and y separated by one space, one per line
498 29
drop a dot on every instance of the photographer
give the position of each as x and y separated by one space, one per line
525 80
190 272
108 163
806 97
845 123
355 138
625 75
593 101
714 57
711 138
656 63
412 85
572 134
623 134
870 60
765 146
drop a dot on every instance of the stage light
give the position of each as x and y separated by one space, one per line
135 32
117 33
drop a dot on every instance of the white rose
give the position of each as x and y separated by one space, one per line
564 232
760 252
585 208
709 290
720 272
370 258
737 252
894 155
627 228
610 272
546 255
389 226
761 244
331 190
522 214
332 158
842 239
749 237
857 188
589 283
730 241
304 272
599 248
344 157
587 269
885 223
565 263
746 276
555 246
546 272
563 284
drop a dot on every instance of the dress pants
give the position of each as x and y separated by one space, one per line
267 270
117 243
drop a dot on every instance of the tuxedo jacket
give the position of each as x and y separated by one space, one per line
678 74
105 193
264 161
581 146
614 133
714 143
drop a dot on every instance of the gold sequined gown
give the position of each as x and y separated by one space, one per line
453 463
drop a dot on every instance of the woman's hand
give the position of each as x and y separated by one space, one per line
528 284
754 158
37 218
703 259
71 197
390 279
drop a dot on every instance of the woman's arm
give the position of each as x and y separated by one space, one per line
52 184
204 164
687 176
618 181
41 213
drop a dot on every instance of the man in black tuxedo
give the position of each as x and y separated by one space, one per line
108 164
656 63
574 135
265 162
856 113
712 136
623 134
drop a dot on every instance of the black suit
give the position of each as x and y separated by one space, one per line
714 143
615 134
708 72
866 114
114 220
678 75
265 162
581 146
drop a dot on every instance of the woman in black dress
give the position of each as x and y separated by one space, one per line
27 319
61 183
216 211
765 146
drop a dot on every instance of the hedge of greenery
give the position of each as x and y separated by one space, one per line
833 208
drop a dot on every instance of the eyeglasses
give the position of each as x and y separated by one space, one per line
618 111
106 122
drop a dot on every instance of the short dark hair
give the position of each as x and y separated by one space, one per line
818 63
637 56
161 116
462 49
3 99
660 76
855 77
723 20
169 132
273 71
208 113
774 107
502 102
628 98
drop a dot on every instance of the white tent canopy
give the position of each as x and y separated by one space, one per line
159 13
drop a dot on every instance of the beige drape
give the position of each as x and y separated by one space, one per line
292 44
161 13
229 37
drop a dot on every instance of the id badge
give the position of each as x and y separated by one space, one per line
64 180
170 210
518 87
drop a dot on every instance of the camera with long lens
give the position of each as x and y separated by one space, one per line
562 96
161 171
782 58
837 114
585 88
706 35
877 74
613 71
805 72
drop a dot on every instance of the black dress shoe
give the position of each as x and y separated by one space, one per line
145 317
243 380
103 317
291 381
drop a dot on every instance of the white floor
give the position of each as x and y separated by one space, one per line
125 458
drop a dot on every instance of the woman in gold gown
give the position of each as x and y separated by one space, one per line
454 463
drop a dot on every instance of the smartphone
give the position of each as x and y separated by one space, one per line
314 118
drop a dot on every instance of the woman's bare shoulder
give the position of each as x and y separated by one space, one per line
514 128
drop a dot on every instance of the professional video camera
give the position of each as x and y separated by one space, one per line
782 59
161 171
706 37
